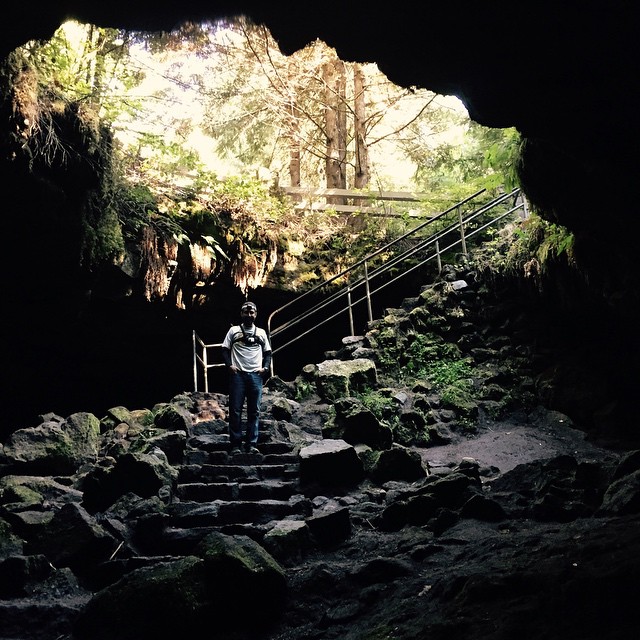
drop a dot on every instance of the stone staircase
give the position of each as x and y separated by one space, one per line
236 495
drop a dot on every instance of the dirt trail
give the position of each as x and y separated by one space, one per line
504 445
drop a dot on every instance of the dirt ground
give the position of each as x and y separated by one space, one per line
504 445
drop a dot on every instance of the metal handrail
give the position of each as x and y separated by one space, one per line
386 247
432 240
400 258
366 280
203 360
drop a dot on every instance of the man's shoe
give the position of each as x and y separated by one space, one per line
253 450
235 451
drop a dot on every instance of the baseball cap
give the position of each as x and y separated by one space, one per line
249 305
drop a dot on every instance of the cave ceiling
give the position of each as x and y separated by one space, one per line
534 64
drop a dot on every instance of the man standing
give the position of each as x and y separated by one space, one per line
247 354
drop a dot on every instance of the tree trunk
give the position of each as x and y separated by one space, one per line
362 173
335 128
293 134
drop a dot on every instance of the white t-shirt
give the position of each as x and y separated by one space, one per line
246 355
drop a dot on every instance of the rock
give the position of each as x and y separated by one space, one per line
330 463
10 543
171 443
629 463
238 571
208 590
459 285
173 417
73 539
330 526
288 540
18 573
381 570
20 492
397 463
341 378
115 416
53 447
282 409
623 496
162 601
144 474
483 508
356 424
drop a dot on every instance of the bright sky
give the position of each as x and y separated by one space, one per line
167 98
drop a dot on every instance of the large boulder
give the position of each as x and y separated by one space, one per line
143 474
167 600
20 492
330 462
340 378
173 417
398 463
54 447
229 584
10 543
74 539
356 424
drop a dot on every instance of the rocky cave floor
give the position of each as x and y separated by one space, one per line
546 569
551 551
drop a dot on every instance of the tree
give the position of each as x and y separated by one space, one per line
308 115
335 125
361 162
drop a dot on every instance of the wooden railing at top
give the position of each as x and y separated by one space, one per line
310 200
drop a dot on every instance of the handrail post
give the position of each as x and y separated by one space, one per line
438 257
351 326
368 291
462 238
205 365
195 361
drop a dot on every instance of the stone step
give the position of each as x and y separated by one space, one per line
220 442
278 453
209 473
207 492
187 515
257 490
268 490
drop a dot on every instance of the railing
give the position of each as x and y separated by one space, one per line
456 233
201 358
463 229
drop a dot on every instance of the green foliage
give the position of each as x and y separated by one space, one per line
383 407
424 355
449 172
501 156
261 107
526 248
303 389
449 372
85 63
102 238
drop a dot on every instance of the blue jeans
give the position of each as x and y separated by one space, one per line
244 386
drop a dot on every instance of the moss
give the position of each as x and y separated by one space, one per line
21 494
369 458
460 400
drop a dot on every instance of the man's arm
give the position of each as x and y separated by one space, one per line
266 360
